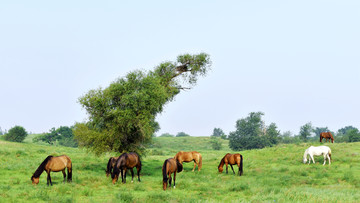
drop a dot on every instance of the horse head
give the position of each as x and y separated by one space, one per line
304 160
34 180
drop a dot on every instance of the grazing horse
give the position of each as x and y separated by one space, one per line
231 159
170 166
124 162
110 165
190 156
317 151
327 136
55 164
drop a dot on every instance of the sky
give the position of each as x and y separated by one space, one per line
295 61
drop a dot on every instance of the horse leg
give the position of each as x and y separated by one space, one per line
194 166
174 178
49 179
122 175
232 168
170 179
125 174
132 175
328 158
324 159
312 158
64 174
226 168
138 172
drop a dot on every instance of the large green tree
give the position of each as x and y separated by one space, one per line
251 133
16 134
122 116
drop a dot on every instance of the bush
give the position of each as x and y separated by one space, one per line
215 143
16 134
182 134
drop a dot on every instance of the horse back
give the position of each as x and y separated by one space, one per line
132 160
58 163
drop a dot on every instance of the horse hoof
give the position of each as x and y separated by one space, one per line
132 181
174 187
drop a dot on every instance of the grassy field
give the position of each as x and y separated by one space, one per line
270 174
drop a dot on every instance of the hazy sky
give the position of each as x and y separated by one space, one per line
296 61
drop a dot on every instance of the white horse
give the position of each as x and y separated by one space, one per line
317 151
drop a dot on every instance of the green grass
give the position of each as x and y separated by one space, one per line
270 174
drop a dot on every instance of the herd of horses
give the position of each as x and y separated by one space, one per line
127 161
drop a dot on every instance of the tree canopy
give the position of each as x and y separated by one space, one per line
16 134
251 133
122 116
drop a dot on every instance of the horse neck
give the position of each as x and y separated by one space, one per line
41 168
306 153
222 162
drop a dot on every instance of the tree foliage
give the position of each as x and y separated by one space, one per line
166 135
62 135
251 133
16 134
218 132
122 116
305 131
182 134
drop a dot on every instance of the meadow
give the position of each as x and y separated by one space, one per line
274 174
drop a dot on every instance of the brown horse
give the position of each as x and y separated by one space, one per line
53 164
110 165
124 162
231 159
170 166
327 136
190 156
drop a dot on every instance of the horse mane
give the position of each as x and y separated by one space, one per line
222 161
108 167
165 178
41 168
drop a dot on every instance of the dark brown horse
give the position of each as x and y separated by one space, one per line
53 164
170 166
231 159
124 162
110 165
190 156
327 136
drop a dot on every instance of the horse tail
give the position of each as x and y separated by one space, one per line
70 172
165 178
320 137
241 164
200 162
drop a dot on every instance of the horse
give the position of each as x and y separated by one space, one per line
53 164
110 165
327 136
124 162
190 156
231 159
317 151
170 166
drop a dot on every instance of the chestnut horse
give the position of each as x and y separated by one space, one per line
190 156
124 162
231 159
55 164
170 166
110 165
327 136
